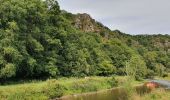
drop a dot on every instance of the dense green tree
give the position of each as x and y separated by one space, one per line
38 40
159 69
8 71
136 67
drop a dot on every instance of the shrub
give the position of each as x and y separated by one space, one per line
54 89
8 71
85 86
165 75
113 82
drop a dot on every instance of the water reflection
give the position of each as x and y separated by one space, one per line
114 94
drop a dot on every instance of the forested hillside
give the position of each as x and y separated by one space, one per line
38 40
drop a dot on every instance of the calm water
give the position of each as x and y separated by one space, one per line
114 94
163 83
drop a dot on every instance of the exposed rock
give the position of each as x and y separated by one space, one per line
85 23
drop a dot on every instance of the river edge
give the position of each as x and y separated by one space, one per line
87 93
160 82
53 88
93 93
42 90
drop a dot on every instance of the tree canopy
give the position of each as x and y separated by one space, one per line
38 40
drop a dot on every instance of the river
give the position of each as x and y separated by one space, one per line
164 83
112 94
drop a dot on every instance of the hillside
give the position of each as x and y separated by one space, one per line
154 49
38 40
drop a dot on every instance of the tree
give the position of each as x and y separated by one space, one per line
136 68
8 71
159 69
106 68
38 40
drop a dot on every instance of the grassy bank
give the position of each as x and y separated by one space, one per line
43 90
52 88
158 94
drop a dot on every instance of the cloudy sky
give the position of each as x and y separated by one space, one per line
129 16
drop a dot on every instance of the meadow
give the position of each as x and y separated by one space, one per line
52 88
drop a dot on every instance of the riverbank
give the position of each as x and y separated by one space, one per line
52 88
43 90
156 94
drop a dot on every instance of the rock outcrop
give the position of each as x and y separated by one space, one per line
85 23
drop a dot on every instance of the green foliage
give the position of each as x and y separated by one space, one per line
8 71
159 69
38 40
85 86
25 41
136 68
53 89
90 84
106 68
52 70
113 82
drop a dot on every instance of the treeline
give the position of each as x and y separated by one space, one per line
155 50
38 41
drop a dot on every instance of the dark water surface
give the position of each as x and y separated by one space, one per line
113 94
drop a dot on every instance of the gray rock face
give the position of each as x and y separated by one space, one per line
85 23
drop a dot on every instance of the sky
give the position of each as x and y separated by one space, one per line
129 16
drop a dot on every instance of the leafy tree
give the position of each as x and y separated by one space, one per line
8 71
159 69
38 40
136 68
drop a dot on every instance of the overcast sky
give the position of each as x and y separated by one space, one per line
129 16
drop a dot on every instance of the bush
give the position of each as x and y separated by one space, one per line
8 71
165 75
150 74
54 89
113 82
85 86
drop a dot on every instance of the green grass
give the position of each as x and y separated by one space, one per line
86 85
158 94
43 90
27 91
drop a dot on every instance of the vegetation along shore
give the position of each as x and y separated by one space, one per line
47 53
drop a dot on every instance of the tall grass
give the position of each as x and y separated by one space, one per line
158 94
55 88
